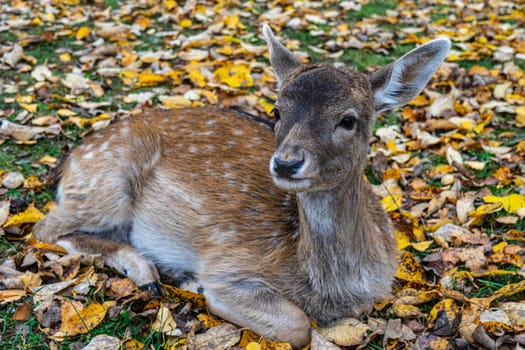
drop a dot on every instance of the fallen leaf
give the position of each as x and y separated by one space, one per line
219 337
29 216
103 342
164 323
345 332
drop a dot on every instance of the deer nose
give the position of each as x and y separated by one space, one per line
287 168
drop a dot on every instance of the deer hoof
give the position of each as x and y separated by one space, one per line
154 287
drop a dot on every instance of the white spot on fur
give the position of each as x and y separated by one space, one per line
104 146
88 155
193 149
210 122
60 193
238 132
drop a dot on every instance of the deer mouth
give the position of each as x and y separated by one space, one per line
292 184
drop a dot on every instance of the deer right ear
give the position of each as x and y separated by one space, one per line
401 81
282 60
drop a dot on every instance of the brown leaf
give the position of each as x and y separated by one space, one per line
48 312
120 287
26 133
396 332
220 337
23 312
80 320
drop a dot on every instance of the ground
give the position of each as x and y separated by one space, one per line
449 166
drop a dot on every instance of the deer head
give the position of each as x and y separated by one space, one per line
324 115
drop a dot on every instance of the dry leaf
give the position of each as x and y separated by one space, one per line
345 332
103 342
164 323
219 337
25 133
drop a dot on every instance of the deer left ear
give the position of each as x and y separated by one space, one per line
282 60
399 82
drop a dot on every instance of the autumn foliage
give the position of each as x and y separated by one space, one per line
449 166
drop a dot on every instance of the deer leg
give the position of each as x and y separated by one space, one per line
59 228
120 256
253 304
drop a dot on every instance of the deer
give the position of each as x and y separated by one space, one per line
190 191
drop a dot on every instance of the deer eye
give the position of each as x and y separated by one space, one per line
348 122
276 114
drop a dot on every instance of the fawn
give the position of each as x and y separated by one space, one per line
189 191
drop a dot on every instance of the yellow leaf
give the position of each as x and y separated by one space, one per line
65 57
30 107
171 102
186 23
50 247
266 105
197 299
164 323
29 216
48 159
402 310
32 182
253 346
511 203
208 321
63 112
132 344
421 246
234 75
510 289
402 240
143 22
10 295
520 116
82 32
149 79
409 268
449 306
479 128
419 100
485 209
233 22
392 202
24 99
498 248
83 122
82 321
197 78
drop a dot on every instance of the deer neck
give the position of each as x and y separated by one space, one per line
334 229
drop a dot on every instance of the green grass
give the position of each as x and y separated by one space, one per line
18 335
374 7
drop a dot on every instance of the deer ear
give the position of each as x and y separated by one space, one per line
399 82
282 60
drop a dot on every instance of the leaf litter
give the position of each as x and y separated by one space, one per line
448 166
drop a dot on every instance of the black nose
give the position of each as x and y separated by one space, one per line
285 168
